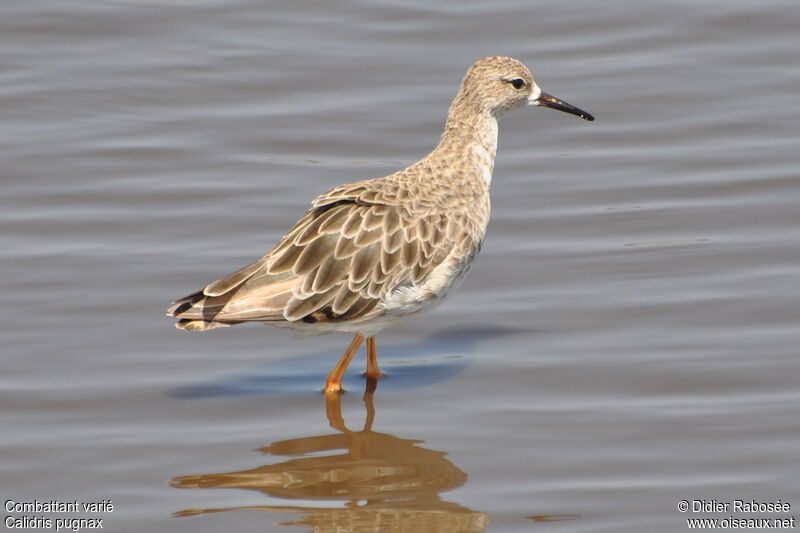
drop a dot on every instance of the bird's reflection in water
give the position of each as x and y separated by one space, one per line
385 484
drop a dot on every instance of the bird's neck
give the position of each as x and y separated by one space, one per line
470 136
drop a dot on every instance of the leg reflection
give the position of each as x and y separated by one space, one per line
383 483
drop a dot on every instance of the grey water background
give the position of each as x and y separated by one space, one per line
627 339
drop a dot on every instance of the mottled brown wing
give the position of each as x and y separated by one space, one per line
336 264
351 255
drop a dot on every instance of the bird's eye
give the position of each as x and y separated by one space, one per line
518 83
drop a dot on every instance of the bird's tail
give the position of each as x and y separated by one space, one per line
261 298
201 325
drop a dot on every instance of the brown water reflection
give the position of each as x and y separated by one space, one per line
385 483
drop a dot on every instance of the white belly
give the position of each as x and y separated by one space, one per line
413 299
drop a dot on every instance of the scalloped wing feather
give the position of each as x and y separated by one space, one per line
339 262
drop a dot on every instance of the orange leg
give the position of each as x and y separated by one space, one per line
334 382
372 360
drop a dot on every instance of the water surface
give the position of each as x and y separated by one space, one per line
627 339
